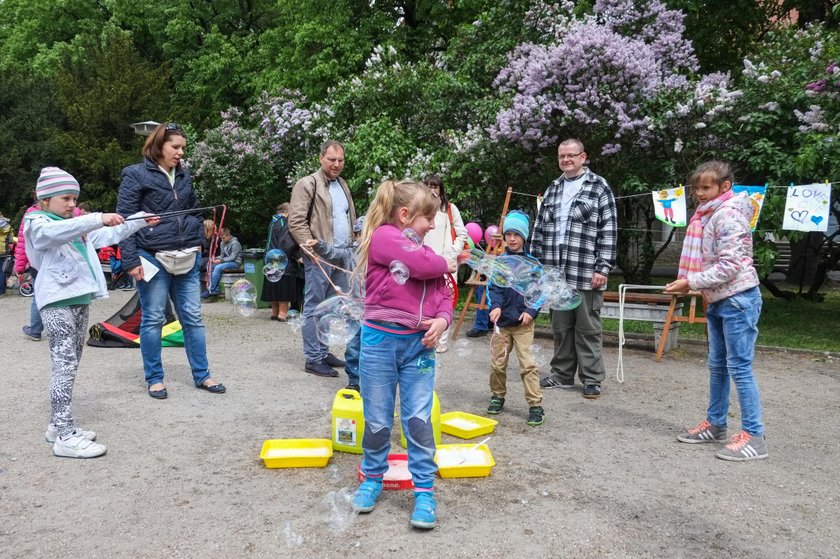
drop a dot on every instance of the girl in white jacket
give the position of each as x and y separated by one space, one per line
63 249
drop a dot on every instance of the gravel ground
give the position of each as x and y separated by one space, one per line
603 478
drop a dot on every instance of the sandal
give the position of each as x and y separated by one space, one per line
213 388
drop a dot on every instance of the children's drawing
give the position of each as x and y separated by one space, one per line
669 205
807 208
756 194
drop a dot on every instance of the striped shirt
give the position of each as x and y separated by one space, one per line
591 231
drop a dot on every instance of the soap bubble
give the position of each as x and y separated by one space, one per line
399 271
534 297
411 240
294 320
338 506
272 274
478 260
539 355
338 319
293 539
243 294
564 299
275 264
462 347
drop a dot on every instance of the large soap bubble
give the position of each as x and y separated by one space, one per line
338 319
411 240
478 260
243 294
275 264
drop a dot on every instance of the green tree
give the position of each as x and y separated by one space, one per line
102 88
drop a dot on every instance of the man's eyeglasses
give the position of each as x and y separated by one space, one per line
563 156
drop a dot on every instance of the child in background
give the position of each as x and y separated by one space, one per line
515 320
64 252
403 323
717 260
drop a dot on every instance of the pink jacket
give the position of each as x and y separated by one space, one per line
727 252
422 297
21 260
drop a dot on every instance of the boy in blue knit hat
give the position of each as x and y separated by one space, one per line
515 322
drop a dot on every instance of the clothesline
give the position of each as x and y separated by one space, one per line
765 186
648 193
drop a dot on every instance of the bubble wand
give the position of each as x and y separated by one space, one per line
177 212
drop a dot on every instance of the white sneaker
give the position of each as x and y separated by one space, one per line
52 434
76 446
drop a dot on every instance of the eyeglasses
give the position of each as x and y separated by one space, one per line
562 156
173 126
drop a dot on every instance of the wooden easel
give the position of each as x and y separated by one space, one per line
476 278
672 317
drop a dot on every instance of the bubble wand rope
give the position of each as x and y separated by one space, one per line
315 258
178 212
622 292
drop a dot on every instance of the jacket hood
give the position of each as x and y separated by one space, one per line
741 203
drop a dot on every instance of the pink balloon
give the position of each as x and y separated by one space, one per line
474 231
488 234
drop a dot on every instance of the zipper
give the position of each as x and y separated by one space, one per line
422 300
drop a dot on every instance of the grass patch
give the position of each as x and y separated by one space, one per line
795 324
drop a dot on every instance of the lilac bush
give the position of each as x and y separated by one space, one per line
616 76
252 159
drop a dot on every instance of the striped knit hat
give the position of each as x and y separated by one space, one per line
55 182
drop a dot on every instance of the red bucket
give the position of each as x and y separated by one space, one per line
397 476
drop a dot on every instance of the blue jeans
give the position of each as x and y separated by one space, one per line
391 360
317 289
154 295
733 329
36 326
217 273
482 316
351 358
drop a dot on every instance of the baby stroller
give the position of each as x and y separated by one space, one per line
26 285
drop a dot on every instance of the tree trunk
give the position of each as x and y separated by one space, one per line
804 258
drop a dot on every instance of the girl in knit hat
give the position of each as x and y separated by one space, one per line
63 249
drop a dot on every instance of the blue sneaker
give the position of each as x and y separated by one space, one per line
424 516
366 495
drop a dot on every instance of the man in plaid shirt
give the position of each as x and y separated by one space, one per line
576 231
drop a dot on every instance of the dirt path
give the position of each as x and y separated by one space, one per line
601 478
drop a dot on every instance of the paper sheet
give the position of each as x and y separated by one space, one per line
149 269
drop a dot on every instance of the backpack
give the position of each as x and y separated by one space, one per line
6 237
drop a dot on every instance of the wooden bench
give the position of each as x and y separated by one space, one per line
664 311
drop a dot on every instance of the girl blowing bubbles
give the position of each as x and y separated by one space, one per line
402 325
717 260
63 251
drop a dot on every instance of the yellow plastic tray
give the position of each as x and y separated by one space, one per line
478 461
296 453
466 425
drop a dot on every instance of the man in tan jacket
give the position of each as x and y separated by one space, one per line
321 208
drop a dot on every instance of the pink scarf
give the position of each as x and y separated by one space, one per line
691 258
